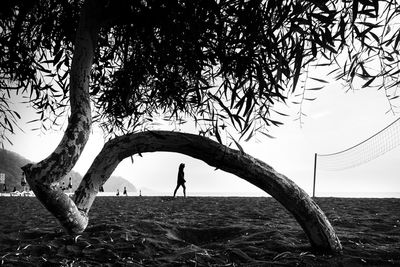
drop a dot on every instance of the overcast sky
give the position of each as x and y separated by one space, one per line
335 121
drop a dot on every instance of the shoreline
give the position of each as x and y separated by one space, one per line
110 194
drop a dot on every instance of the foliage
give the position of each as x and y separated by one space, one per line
36 40
373 56
221 63
8 117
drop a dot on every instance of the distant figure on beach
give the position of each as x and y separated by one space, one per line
101 189
117 192
23 180
63 186
140 193
125 193
70 183
181 179
15 189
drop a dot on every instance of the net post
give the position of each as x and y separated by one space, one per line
315 173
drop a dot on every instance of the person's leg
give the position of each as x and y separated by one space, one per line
176 189
184 190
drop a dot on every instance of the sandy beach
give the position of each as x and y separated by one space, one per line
197 231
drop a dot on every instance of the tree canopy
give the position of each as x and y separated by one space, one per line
221 63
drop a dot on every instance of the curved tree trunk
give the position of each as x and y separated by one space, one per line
44 176
313 221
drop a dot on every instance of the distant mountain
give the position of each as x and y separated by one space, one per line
117 182
11 163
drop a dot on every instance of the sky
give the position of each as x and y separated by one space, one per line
334 121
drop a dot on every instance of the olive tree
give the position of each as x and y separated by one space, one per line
222 64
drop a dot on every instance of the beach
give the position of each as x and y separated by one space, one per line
197 231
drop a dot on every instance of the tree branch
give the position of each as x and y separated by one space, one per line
315 224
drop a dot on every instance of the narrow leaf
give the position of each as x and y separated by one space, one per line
355 10
369 82
396 42
318 80
217 133
315 88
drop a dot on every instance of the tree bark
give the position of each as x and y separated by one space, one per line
313 221
44 176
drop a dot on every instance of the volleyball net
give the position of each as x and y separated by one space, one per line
363 152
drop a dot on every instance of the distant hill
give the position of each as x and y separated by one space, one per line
11 163
117 182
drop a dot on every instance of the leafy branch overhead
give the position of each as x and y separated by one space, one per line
223 63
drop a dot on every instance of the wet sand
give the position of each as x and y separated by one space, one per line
197 231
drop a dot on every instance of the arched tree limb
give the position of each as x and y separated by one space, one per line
44 176
313 221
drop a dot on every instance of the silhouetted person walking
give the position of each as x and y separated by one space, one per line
125 192
23 181
70 183
63 187
181 179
